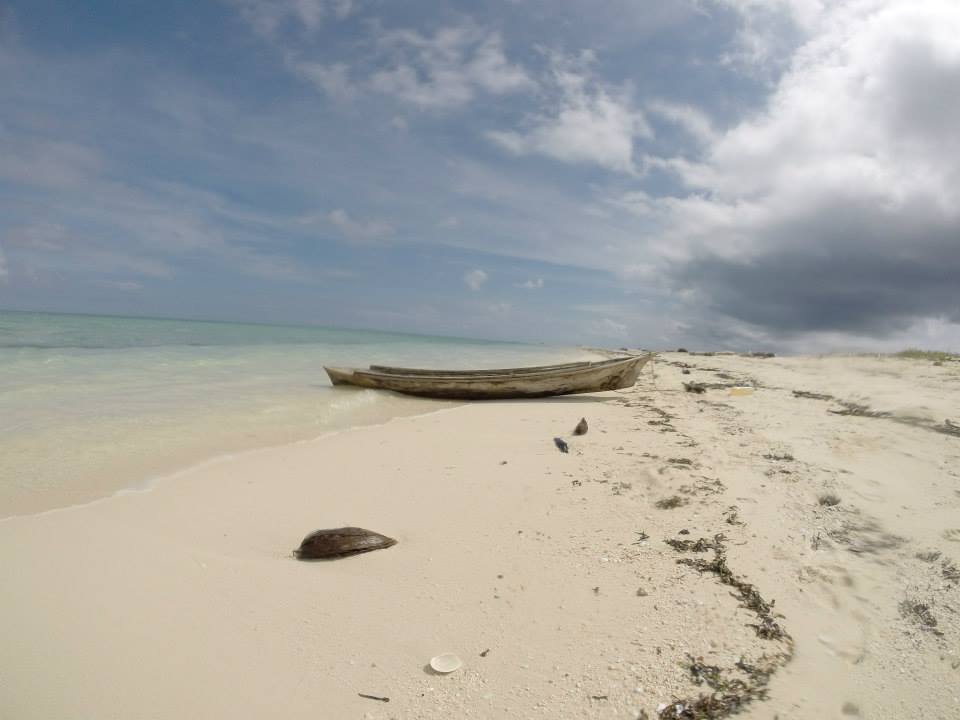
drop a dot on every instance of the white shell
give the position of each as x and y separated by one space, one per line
445 663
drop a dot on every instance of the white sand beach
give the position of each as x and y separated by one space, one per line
531 565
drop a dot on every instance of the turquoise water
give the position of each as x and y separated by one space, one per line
90 405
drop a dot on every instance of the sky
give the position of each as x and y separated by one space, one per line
743 174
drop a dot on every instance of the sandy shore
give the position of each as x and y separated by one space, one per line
530 564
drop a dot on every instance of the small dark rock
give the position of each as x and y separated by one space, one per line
581 428
561 445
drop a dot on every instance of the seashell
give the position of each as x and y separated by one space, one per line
445 663
581 428
340 543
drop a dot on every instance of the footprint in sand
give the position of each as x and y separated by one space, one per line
952 535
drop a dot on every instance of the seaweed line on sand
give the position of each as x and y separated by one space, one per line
732 690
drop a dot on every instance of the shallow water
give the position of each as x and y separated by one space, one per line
90 405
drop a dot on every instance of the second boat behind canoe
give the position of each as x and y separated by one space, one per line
507 383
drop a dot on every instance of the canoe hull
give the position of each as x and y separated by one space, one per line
569 379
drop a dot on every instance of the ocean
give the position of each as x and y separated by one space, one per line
93 405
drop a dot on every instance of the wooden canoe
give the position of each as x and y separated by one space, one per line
500 384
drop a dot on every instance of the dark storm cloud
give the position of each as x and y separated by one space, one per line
848 269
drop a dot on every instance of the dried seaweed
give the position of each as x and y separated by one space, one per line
701 545
858 410
950 571
730 695
919 612
828 500
811 395
670 503
750 598
948 428
864 536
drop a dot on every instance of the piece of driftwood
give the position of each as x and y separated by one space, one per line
341 542
531 382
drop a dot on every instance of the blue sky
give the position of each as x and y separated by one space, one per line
739 173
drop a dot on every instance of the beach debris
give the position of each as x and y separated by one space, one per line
950 571
863 535
374 697
828 499
683 532
919 612
930 556
811 395
671 502
740 391
596 590
484 653
695 387
699 546
730 694
682 350
581 428
641 592
561 445
731 516
503 462
858 410
850 708
762 355
341 542
685 371
766 627
599 697
445 663
785 457
949 428
680 461
641 537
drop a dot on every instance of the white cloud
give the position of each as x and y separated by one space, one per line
531 284
770 31
694 121
585 122
334 79
359 229
269 18
836 207
448 69
475 279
